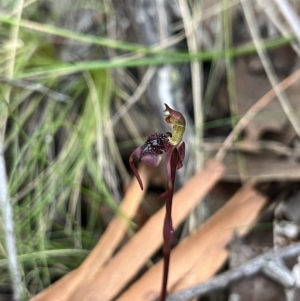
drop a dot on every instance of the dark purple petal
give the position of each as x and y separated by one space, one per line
136 153
150 152
156 144
152 160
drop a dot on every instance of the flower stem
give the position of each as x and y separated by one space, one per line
168 231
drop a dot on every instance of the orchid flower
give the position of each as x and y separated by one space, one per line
151 153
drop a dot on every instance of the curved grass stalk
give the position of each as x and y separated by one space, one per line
10 239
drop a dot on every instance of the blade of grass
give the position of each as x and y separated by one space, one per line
10 239
5 202
160 59
65 287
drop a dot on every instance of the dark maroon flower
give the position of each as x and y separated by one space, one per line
151 153
155 145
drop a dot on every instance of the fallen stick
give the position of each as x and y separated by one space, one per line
249 268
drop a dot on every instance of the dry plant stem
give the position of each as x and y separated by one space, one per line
37 88
268 97
10 240
196 67
250 268
5 205
135 96
273 16
282 97
153 14
11 57
291 17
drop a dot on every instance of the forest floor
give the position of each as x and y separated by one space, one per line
83 83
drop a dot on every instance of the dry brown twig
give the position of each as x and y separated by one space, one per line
250 268
261 103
